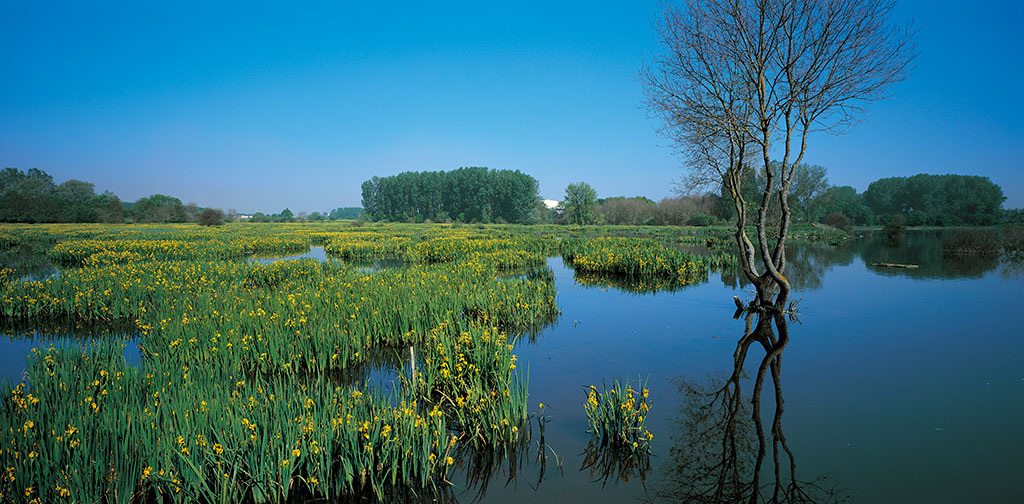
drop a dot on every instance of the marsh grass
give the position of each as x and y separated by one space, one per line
254 384
634 257
239 398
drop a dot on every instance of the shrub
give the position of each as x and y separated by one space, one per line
895 228
211 217
701 220
839 221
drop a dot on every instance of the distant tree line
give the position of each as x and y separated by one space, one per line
934 200
484 195
32 196
474 194
937 200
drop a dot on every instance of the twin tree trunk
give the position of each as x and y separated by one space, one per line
771 282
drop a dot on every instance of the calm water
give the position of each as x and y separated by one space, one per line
899 385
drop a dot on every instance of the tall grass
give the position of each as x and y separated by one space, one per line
237 400
636 257
250 390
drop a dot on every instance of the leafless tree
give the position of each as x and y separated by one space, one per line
742 80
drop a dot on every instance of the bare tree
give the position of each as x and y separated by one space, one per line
741 80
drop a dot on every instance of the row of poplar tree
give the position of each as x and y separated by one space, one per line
473 194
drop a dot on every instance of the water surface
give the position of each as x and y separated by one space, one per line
898 385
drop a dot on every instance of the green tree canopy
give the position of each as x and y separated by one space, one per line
33 196
159 208
473 194
628 211
345 213
937 200
211 217
845 200
579 203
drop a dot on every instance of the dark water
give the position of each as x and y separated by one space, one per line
899 385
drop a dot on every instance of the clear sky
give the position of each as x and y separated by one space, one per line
257 106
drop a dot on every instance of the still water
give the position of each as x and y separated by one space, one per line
897 385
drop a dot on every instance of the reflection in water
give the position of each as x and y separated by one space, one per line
16 350
924 249
630 283
1013 268
68 328
807 265
27 263
720 450
480 466
613 462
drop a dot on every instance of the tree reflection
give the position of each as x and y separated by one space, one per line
719 453
807 265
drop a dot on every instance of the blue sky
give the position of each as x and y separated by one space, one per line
259 106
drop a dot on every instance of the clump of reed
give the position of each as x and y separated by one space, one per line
631 284
462 245
95 251
366 245
92 429
638 257
237 400
617 414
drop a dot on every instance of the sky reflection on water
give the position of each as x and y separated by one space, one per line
900 385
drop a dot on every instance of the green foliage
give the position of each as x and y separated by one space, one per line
579 203
617 415
807 194
845 200
211 217
973 242
472 194
1013 216
1013 243
345 213
33 197
702 220
896 228
635 211
159 208
839 221
937 200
